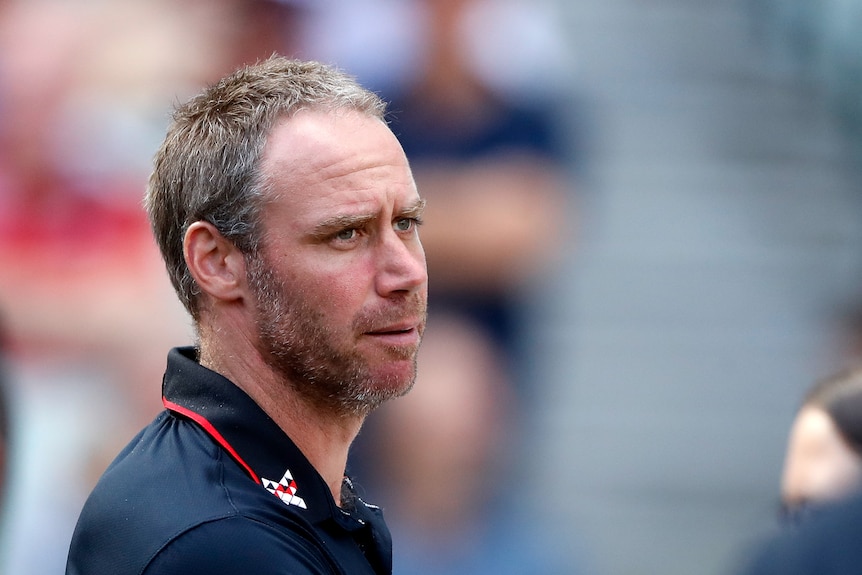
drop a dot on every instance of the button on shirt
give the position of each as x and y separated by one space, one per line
213 486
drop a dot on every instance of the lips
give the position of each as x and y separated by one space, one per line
402 324
403 334
393 329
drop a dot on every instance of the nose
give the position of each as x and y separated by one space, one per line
401 266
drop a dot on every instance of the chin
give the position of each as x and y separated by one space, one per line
391 384
399 378
378 385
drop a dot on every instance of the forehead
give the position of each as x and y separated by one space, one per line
319 164
314 146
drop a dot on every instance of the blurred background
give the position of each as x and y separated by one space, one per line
644 237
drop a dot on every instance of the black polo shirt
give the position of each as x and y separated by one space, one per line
213 486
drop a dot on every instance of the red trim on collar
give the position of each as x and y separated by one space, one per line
209 428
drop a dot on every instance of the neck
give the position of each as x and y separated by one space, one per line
323 437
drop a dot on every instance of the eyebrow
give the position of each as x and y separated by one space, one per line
413 211
348 221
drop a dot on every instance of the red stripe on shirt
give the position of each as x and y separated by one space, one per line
209 428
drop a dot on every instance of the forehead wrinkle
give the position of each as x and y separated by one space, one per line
319 152
355 173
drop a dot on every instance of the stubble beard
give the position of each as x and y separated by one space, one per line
334 379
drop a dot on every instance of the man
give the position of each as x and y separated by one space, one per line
287 215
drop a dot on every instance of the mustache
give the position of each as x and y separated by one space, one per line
414 308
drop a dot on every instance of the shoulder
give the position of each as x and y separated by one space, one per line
829 543
167 481
241 544
174 502
229 538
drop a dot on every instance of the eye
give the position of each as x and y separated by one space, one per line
406 224
346 235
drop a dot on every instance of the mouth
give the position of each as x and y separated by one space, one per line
391 331
397 334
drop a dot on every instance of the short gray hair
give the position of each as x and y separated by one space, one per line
208 167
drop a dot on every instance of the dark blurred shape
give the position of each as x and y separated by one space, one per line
827 544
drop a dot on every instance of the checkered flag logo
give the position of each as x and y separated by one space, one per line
284 490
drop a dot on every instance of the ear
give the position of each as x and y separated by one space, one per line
216 264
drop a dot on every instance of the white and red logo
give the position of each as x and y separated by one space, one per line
285 489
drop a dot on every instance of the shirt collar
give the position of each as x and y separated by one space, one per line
252 438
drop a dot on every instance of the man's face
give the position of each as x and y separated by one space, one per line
341 283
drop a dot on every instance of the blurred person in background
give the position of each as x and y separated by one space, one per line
85 93
446 466
82 288
83 87
287 216
492 164
820 486
823 463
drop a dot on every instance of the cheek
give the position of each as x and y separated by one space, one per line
335 284
340 293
